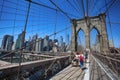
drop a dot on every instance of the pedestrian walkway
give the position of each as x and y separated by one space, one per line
73 73
69 73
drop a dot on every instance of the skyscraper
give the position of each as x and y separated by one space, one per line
61 40
50 44
4 42
18 42
13 46
40 44
34 38
46 41
37 45
7 42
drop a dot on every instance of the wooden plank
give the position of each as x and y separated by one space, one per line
69 73
63 73
76 75
81 76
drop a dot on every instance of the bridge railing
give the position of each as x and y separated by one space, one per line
112 61
35 69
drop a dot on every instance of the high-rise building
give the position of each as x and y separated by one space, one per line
18 42
7 42
4 42
13 46
61 40
37 45
63 47
34 38
27 45
50 44
46 41
40 44
67 40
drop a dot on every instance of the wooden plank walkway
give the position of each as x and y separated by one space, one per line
70 73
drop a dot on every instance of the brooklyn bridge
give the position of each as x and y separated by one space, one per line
44 39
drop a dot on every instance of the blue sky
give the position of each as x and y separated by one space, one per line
43 20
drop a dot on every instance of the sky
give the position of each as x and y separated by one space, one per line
44 21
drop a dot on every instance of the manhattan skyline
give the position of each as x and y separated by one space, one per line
43 21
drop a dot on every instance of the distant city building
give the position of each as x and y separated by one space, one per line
50 44
41 43
46 42
27 45
4 42
18 42
55 45
55 40
67 41
55 49
34 38
63 47
7 42
61 40
13 47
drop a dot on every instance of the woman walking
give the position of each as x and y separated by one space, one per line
81 58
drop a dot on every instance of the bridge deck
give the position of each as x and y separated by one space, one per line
70 73
92 71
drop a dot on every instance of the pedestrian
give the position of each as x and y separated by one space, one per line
81 58
77 58
86 56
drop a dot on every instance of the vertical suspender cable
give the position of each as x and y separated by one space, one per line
110 24
55 25
22 40
87 7
83 8
14 26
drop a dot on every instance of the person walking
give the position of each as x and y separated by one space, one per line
86 56
81 58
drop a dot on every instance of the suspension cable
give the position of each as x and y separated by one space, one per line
60 9
77 5
109 24
22 41
73 6
83 9
107 8
55 21
87 8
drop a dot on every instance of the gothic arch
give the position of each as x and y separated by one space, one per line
87 24
96 45
98 31
80 29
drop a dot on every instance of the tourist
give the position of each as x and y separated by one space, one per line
81 58
86 56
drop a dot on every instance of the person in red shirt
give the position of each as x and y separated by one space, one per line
81 58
